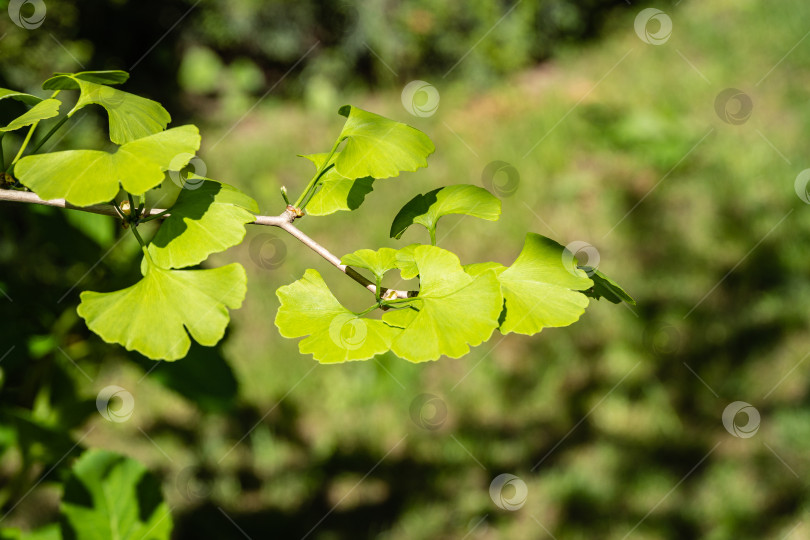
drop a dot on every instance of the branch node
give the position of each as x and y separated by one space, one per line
292 213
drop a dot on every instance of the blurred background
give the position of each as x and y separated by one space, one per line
670 140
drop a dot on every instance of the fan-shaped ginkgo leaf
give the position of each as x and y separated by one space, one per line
378 262
131 116
155 316
427 209
334 334
452 311
541 288
207 219
378 147
85 177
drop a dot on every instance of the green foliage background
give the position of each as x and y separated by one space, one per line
622 411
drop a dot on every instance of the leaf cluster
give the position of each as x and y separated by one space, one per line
454 308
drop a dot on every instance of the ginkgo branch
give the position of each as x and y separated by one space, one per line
283 221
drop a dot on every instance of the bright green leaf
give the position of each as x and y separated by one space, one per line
42 110
64 81
378 147
604 287
378 262
459 199
406 262
85 177
541 288
131 117
152 316
28 99
335 334
339 194
206 219
453 310
112 496
336 192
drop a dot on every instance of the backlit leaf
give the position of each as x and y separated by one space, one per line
334 334
378 262
378 147
459 199
63 81
85 177
541 288
452 311
207 219
152 316
336 192
131 116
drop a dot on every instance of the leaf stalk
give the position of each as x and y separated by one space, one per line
313 184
